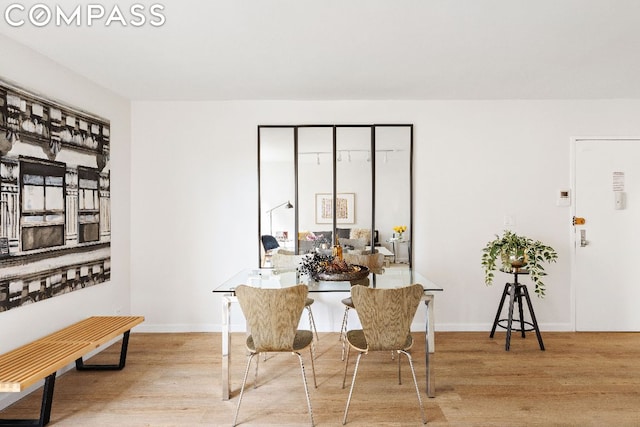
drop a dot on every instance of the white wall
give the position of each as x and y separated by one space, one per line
41 75
194 197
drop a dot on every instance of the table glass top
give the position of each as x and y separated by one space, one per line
282 278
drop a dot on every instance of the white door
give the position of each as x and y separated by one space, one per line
606 277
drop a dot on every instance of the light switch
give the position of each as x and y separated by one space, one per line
509 220
620 199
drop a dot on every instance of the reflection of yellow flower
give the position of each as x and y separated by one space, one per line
400 228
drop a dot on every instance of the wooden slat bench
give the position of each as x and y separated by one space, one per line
41 359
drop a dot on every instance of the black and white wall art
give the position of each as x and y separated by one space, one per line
55 222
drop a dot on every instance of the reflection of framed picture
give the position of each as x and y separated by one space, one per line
345 208
282 236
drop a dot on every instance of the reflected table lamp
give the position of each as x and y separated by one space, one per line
287 205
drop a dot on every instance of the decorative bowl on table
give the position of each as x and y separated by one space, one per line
321 266
356 272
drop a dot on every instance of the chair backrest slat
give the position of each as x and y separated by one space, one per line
375 262
280 260
386 314
272 315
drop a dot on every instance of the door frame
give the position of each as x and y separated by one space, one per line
572 232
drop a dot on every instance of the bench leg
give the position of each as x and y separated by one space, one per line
80 366
45 409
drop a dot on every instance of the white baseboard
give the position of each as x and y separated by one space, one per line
486 327
416 326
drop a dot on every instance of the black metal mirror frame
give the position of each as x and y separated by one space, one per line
334 178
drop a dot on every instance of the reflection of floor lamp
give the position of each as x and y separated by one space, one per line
270 212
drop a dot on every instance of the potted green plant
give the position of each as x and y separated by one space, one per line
516 251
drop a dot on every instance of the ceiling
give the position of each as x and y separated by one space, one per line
352 49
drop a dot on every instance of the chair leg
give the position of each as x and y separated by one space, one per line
353 383
306 389
346 364
313 366
415 382
255 377
399 373
312 322
244 382
343 330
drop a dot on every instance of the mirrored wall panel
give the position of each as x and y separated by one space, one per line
354 187
277 188
319 184
393 202
315 188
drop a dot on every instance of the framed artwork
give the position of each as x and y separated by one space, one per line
345 208
55 216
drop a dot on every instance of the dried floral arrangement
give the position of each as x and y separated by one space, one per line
318 263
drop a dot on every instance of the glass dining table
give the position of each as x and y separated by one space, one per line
280 278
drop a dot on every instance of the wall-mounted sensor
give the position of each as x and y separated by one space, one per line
564 198
620 200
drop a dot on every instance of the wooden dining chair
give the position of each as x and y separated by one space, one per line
272 317
386 316
291 261
375 263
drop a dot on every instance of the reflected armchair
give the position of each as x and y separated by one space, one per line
270 245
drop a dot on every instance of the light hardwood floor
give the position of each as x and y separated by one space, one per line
582 379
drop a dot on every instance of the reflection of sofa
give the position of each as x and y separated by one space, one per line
309 240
